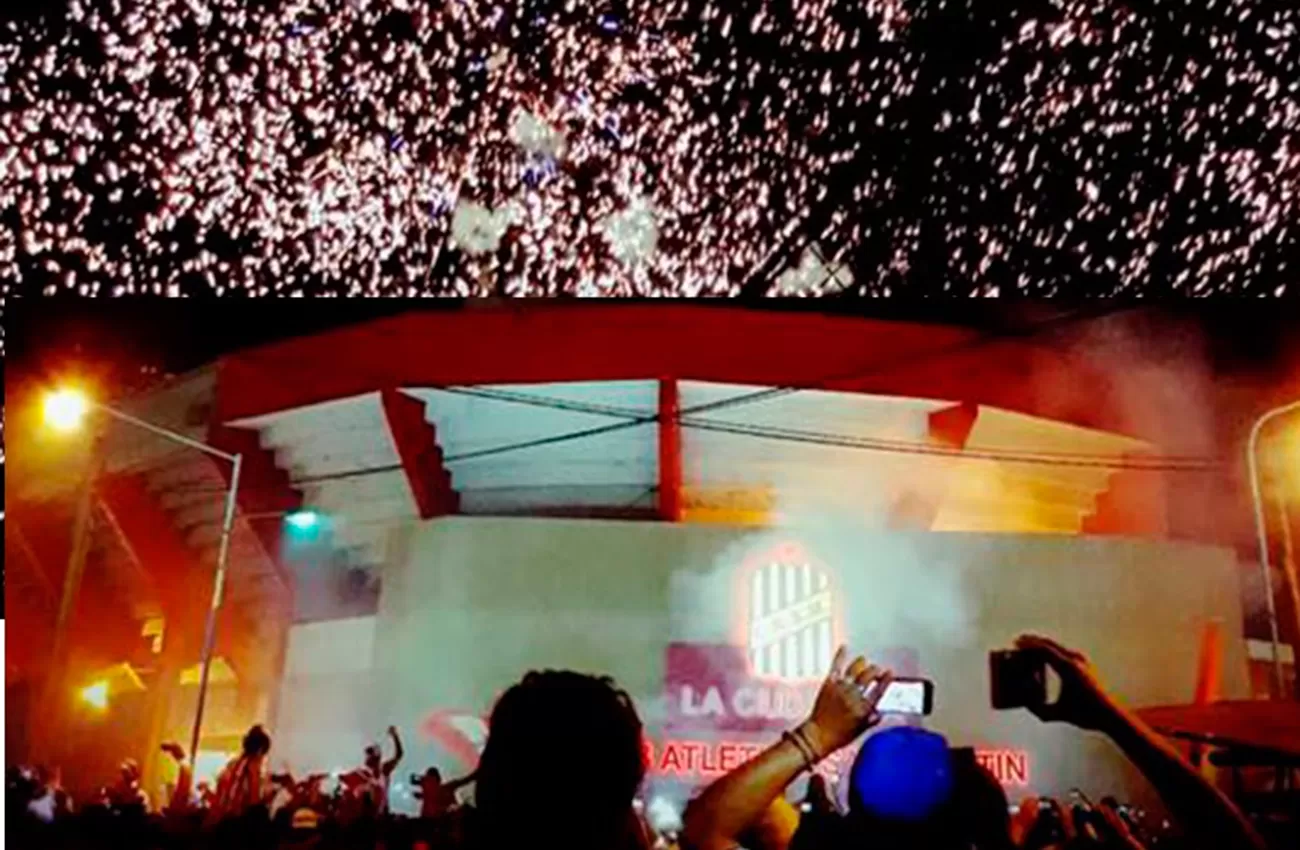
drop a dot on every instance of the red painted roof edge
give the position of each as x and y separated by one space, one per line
550 343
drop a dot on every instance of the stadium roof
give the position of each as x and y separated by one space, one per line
546 343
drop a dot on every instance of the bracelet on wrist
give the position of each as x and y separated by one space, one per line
804 752
799 737
808 739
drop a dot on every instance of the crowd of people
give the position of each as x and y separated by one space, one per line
247 805
564 766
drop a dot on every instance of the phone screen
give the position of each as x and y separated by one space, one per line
906 696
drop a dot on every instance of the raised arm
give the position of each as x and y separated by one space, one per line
180 800
391 765
1206 815
741 801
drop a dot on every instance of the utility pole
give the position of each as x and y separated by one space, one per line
51 710
1261 532
1289 573
64 410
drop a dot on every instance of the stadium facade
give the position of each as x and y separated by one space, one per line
698 501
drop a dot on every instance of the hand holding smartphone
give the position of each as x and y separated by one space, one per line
1017 679
907 696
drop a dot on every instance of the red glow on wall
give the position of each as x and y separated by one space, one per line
1011 767
462 734
703 759
706 760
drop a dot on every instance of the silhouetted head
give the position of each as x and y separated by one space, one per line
908 788
373 757
901 774
257 742
980 804
129 770
558 740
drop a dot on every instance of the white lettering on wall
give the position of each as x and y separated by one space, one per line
710 706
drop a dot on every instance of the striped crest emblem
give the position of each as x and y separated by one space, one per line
790 634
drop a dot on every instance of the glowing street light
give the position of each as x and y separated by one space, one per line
96 695
65 409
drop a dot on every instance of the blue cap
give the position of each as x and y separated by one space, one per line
902 773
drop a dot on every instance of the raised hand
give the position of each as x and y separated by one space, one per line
1023 822
1083 701
845 706
1122 835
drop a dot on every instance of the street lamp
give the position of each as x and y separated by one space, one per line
1261 530
95 695
64 411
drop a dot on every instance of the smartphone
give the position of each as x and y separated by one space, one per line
1088 822
907 696
1050 826
1016 679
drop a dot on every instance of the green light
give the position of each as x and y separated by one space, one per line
305 520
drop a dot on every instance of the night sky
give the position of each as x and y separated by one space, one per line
889 147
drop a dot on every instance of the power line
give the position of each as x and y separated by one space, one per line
899 447
541 441
1152 462
828 380
908 359
1149 463
635 418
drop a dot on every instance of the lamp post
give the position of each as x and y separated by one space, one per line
48 711
1261 531
64 410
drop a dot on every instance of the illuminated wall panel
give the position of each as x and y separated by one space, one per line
469 604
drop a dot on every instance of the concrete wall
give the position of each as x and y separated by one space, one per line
469 604
327 714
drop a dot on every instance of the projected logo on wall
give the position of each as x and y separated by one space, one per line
726 702
785 632
788 614
737 695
